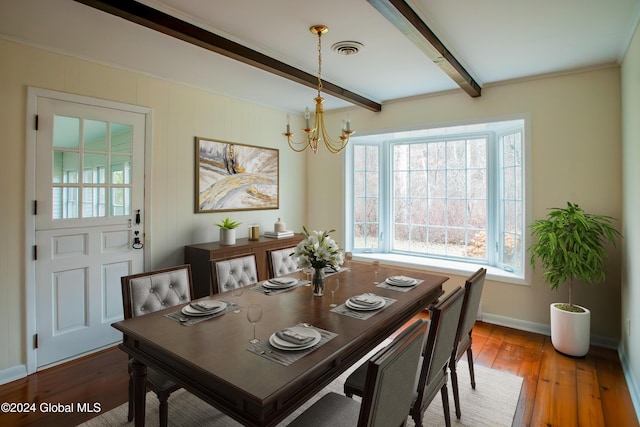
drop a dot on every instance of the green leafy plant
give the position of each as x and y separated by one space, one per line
227 224
571 246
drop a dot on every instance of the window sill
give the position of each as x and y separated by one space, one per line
442 266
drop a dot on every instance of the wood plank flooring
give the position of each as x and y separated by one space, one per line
557 390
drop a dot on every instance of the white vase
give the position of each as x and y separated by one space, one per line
227 236
570 332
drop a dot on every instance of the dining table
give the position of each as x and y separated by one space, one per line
257 384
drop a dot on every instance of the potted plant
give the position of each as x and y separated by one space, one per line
228 231
571 247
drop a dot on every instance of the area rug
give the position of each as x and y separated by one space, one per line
492 404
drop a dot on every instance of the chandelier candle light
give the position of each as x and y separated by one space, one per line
318 130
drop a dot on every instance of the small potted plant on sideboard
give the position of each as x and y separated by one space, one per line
228 231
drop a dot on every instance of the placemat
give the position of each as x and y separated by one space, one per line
364 315
284 357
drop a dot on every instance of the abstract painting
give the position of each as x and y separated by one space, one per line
235 177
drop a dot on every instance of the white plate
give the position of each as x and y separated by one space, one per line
219 306
401 281
285 283
286 345
354 304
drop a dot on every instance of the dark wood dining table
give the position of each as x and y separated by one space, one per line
211 359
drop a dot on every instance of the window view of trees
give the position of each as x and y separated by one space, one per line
453 194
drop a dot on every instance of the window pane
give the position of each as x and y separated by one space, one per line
66 132
95 135
65 167
120 169
121 138
120 201
94 166
65 202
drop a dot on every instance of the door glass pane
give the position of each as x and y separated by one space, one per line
120 201
93 168
65 202
120 169
93 202
121 138
65 167
66 132
95 135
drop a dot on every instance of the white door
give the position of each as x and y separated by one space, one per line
90 198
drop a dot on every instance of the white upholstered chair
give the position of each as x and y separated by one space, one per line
388 388
145 293
281 262
233 272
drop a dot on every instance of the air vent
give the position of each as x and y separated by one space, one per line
347 48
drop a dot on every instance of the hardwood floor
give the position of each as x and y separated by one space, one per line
557 390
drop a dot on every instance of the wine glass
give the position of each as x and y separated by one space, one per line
334 286
376 271
308 271
237 293
254 314
348 256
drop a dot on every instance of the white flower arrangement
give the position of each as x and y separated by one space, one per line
317 250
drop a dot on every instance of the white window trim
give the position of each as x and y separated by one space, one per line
441 265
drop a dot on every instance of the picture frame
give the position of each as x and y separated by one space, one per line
235 177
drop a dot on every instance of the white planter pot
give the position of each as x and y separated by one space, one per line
570 332
227 236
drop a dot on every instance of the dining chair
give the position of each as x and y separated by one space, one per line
145 293
233 272
432 376
472 293
387 393
281 262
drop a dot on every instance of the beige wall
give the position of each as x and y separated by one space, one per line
576 156
630 346
179 114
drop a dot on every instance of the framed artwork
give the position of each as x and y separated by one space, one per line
235 177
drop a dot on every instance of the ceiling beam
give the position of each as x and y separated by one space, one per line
172 26
400 14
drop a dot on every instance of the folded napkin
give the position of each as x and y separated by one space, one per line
365 300
401 279
293 337
203 306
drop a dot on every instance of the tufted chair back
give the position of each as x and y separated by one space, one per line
145 293
236 272
281 263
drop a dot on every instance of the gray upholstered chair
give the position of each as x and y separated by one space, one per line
145 293
388 388
432 376
233 272
472 293
281 262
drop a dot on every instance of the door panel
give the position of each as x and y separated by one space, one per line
89 185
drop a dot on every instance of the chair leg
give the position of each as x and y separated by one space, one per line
163 408
454 385
471 371
445 405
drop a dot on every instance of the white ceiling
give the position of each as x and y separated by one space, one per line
496 40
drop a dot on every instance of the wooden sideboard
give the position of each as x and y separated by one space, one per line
199 256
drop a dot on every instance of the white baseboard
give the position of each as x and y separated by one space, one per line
544 329
632 384
12 374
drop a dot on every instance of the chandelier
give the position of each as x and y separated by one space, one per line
318 131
